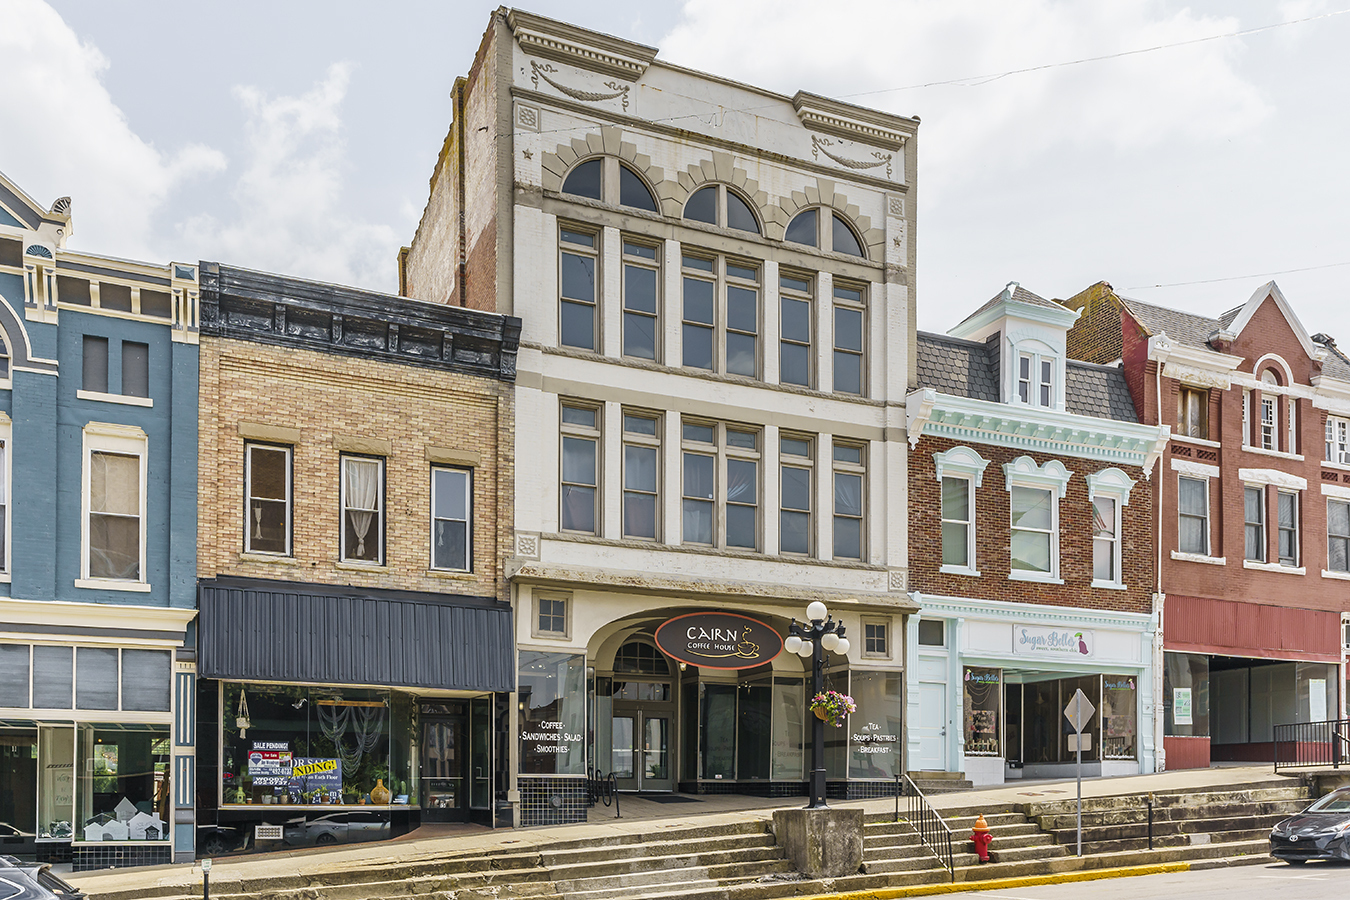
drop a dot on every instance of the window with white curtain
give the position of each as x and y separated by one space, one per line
267 476
1286 509
1338 536
1254 523
1106 540
1033 530
362 509
1193 515
451 519
114 516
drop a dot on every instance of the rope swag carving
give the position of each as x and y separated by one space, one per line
542 71
819 145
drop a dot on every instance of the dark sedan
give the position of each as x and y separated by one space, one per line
1322 831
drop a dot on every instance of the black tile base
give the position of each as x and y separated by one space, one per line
550 800
108 855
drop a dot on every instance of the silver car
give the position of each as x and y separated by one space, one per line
337 828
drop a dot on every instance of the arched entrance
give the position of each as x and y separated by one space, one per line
643 699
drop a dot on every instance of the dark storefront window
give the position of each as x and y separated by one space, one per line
1091 686
552 690
754 731
291 744
18 775
1185 695
982 692
717 745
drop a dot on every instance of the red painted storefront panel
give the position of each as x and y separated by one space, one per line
1186 752
1234 628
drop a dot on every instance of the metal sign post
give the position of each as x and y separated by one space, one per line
1079 713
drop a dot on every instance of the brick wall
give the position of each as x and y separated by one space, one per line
326 396
1095 337
992 516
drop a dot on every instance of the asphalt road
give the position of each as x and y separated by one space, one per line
1275 881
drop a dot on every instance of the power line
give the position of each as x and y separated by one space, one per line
1149 287
977 80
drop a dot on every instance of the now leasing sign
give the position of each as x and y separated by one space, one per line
1035 640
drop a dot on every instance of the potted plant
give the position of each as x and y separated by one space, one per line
833 707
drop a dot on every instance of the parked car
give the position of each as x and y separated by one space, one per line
337 828
1322 831
217 840
14 842
33 881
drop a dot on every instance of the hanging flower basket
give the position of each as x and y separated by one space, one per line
833 707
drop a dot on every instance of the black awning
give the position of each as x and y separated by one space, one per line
257 630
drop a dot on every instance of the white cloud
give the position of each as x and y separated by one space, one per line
64 136
289 213
1117 106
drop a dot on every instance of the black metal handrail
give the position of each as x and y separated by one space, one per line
1312 744
935 833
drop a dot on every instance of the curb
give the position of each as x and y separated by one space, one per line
927 890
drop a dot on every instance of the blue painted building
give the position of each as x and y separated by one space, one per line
98 488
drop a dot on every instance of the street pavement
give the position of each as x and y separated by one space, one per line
1270 881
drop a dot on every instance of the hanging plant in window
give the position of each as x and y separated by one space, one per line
833 707
241 720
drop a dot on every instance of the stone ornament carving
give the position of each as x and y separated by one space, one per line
527 117
896 206
899 580
820 145
527 545
544 70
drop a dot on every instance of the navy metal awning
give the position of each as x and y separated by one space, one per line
259 630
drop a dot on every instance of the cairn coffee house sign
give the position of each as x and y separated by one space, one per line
718 640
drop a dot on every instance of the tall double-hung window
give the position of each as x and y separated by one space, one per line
114 504
641 475
795 294
362 509
849 500
641 316
578 265
1338 535
1193 515
1034 492
579 505
850 340
720 465
1109 494
794 520
1338 440
267 476
721 315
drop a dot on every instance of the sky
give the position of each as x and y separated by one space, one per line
298 136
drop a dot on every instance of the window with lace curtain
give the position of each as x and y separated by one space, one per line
362 509
267 473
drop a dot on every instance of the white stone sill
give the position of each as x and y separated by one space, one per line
114 398
1037 577
1199 558
1199 442
1273 567
273 558
1339 576
959 570
1109 585
102 584
1278 454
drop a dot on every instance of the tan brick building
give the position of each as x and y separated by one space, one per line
356 460
1031 550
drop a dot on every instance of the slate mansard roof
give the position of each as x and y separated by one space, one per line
970 369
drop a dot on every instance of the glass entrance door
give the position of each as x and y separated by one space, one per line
641 750
444 759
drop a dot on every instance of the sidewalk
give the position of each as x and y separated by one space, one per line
639 816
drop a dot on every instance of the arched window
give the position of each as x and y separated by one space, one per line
808 228
640 658
716 204
4 358
586 179
633 191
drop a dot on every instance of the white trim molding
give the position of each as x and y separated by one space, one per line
1023 472
1112 483
1273 477
1199 558
1194 469
1273 567
961 462
1335 490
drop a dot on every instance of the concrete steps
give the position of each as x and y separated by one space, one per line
940 782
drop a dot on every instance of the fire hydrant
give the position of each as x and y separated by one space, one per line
982 838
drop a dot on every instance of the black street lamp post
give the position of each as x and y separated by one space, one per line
812 639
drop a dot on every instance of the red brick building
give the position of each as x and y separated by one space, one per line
1253 518
1031 550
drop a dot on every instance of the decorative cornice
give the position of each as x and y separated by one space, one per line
961 461
1273 477
1111 482
1033 429
853 122
1023 471
1198 377
311 315
1027 612
580 47
1162 348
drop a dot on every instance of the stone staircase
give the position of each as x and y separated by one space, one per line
940 782
743 862
1230 823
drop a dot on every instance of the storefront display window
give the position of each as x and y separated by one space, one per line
754 733
718 729
552 690
1091 686
982 690
291 744
18 774
56 789
788 746
1120 723
836 739
1185 695
874 730
122 789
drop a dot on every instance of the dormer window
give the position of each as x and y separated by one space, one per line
1035 379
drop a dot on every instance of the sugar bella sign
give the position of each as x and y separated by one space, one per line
1063 642
718 641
